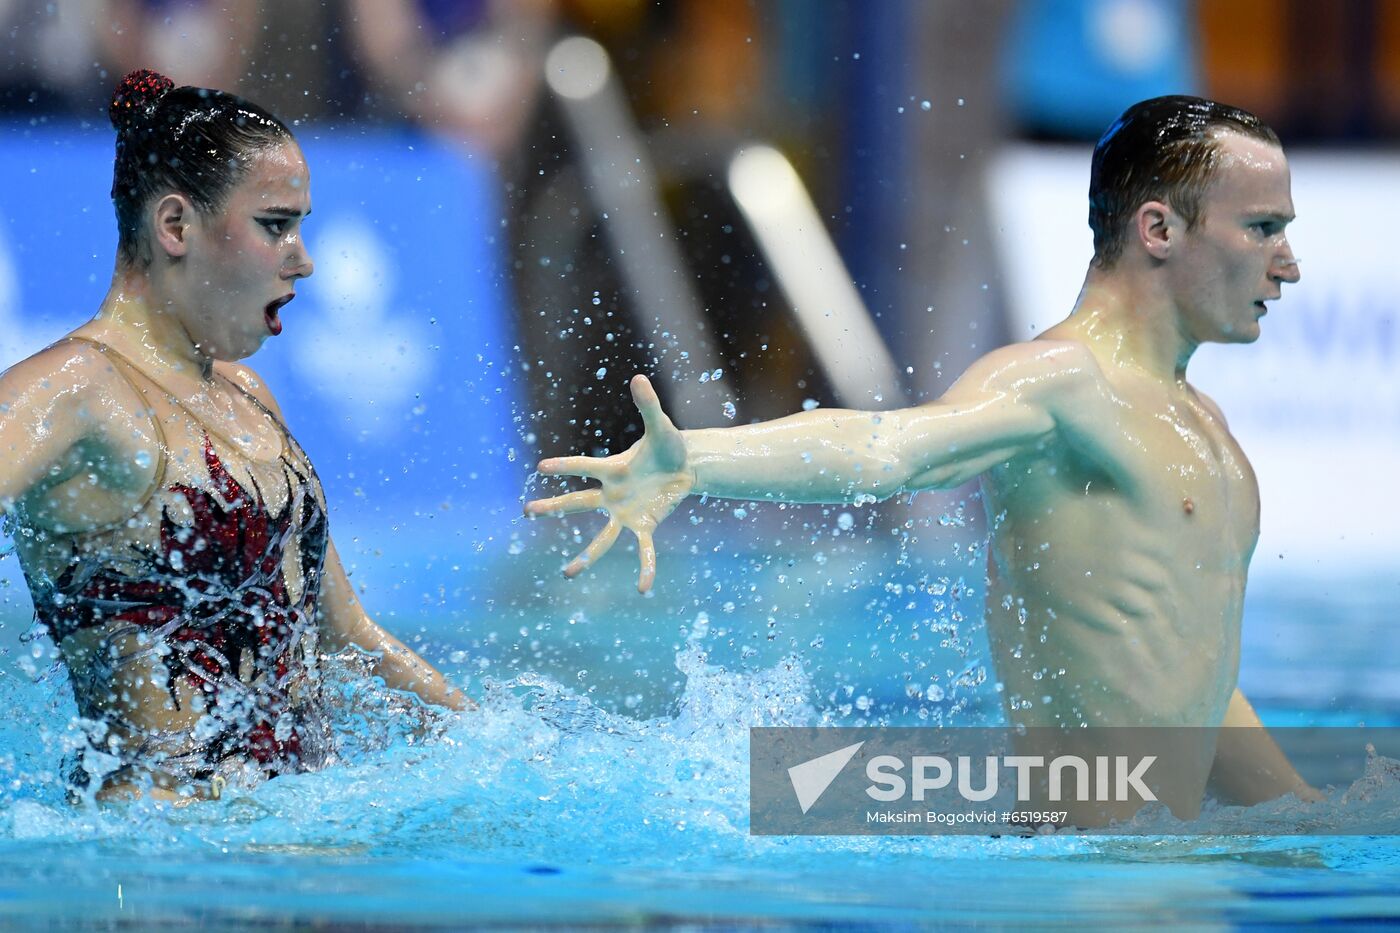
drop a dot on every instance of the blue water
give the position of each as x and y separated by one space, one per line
604 779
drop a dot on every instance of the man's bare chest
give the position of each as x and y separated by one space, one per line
1180 465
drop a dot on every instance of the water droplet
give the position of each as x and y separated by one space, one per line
925 105
730 411
602 371
809 403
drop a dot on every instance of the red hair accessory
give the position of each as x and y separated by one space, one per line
137 93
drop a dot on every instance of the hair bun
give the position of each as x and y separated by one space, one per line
137 93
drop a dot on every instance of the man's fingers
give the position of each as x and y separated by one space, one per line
649 404
596 548
589 467
647 551
568 503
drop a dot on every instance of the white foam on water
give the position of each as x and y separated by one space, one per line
541 772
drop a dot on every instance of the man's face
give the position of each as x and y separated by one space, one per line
1237 256
249 256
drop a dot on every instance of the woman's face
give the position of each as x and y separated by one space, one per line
244 261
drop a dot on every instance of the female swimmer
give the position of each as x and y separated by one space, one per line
172 532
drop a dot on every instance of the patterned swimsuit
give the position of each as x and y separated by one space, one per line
206 591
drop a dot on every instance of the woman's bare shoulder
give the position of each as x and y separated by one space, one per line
246 378
58 397
65 369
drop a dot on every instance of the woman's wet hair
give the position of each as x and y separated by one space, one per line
191 140
1163 149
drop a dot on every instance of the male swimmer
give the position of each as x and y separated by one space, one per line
1127 513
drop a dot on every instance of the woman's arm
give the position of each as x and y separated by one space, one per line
344 621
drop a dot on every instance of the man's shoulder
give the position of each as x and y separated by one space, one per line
1042 364
1056 350
1210 405
1053 375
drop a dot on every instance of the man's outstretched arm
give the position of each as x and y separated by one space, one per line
998 409
1002 406
1249 766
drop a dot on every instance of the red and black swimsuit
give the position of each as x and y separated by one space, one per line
196 586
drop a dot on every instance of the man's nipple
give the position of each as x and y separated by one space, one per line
1187 505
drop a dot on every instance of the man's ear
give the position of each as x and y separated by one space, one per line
1155 227
173 215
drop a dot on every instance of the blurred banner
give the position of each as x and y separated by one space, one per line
394 368
1315 402
1072 66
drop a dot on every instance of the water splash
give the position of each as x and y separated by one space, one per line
541 772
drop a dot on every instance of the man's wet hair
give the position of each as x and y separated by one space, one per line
191 140
1163 149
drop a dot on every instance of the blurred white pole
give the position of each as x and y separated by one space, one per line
624 189
816 282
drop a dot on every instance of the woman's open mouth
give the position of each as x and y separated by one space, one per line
271 314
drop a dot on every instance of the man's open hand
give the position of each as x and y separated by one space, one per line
640 486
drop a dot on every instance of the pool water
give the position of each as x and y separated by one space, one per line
604 780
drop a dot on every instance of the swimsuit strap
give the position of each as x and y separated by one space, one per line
120 367
289 443
286 435
108 350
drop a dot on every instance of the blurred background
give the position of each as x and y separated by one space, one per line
767 206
